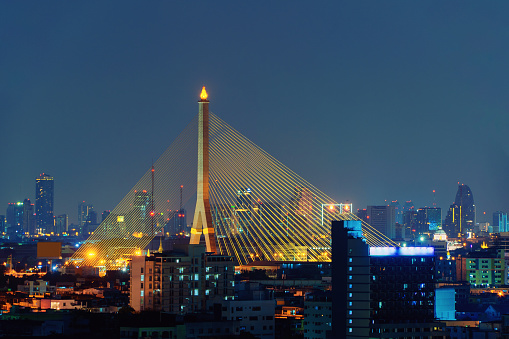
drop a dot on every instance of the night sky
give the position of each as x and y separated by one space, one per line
367 100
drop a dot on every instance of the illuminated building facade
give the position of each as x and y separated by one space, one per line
483 269
186 280
403 292
383 219
44 199
460 217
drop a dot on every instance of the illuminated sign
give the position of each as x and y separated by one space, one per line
402 251
120 218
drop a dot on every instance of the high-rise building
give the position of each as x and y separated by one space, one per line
363 215
429 219
302 203
398 211
104 215
350 280
3 223
44 197
408 206
176 222
410 223
460 217
61 224
83 211
28 218
243 211
14 218
500 221
382 218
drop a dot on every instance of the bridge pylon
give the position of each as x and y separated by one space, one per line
202 221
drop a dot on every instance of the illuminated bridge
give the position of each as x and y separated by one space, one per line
260 209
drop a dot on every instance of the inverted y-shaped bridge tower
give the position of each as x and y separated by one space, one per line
202 222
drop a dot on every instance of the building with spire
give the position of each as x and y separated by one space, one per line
460 217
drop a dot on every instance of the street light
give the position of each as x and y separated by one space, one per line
343 208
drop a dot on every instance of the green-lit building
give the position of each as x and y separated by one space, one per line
484 269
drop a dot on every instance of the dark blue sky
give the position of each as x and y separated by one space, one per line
367 100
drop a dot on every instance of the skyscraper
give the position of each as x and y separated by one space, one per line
500 220
83 210
14 218
61 224
3 222
44 196
383 219
398 211
28 217
461 215
429 219
104 215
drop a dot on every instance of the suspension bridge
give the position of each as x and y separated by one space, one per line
259 209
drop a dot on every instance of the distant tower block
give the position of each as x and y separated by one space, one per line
202 222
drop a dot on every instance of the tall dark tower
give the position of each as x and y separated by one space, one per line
44 196
461 215
202 222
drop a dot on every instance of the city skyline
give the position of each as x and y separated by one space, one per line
421 113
